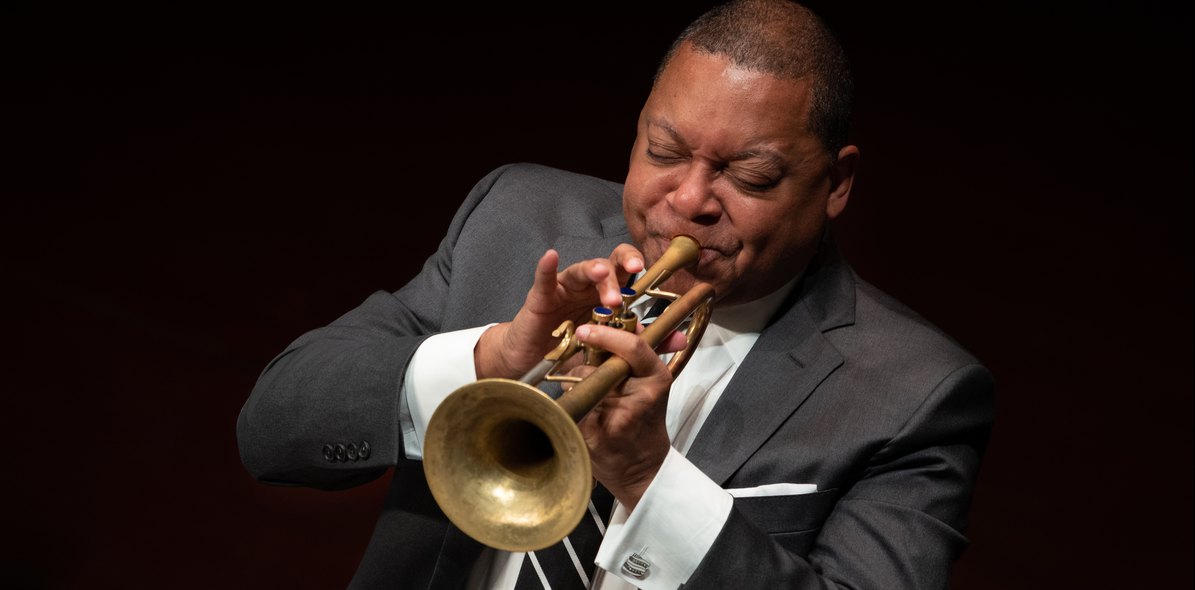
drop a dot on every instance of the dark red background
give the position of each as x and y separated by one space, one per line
186 192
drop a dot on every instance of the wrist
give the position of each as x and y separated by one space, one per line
629 489
487 354
629 496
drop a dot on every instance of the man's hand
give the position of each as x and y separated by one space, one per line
626 432
511 349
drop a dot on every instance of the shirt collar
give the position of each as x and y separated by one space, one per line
737 326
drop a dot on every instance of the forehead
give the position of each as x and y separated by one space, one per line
704 96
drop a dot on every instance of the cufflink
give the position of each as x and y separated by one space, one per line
636 567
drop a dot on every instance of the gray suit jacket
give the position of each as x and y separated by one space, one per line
845 388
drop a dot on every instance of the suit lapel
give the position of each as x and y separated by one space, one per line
773 381
788 362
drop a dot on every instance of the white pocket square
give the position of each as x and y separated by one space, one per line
774 489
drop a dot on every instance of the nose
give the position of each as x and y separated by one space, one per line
694 197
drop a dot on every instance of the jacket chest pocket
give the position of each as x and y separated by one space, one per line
794 520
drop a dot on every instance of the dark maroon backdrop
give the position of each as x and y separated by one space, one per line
186 192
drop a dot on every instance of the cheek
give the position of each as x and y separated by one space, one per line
769 232
794 231
634 207
754 221
644 189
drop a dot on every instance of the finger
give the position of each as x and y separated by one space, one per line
544 285
643 361
675 341
597 274
627 260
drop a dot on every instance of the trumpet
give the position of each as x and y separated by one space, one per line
506 462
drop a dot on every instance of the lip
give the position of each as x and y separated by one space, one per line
706 257
706 250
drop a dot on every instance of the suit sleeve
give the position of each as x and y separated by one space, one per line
899 526
325 412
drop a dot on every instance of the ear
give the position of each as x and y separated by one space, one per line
842 176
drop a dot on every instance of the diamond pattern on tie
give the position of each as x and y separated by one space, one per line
568 565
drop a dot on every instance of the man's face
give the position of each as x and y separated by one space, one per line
723 154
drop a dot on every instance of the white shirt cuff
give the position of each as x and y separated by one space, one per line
672 528
441 364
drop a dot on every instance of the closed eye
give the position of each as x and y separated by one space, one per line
756 171
762 186
751 180
664 155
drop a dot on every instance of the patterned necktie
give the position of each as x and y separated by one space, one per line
568 565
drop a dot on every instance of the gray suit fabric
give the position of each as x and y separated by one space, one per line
845 388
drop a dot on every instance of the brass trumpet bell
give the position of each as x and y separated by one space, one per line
519 474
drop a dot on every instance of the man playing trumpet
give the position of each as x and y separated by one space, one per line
823 435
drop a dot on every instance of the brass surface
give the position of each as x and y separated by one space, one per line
507 464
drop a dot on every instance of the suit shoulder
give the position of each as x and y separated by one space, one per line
895 336
903 365
536 181
530 199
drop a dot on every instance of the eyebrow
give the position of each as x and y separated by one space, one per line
653 122
768 156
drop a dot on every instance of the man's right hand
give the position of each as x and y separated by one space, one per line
511 349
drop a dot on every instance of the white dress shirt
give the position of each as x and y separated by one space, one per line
680 513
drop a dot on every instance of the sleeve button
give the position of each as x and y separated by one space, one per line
351 451
341 452
363 450
329 453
